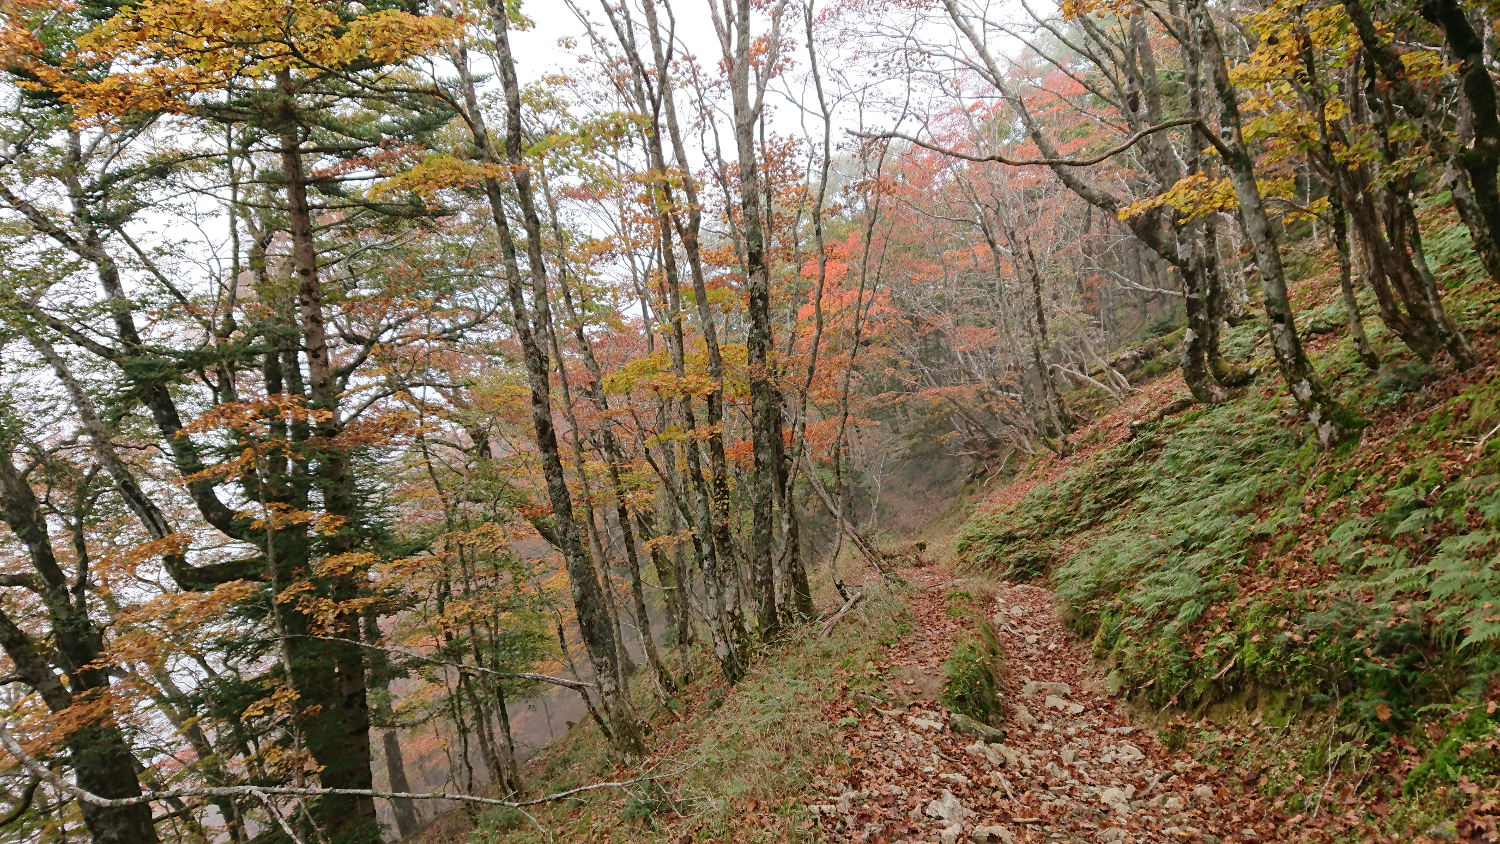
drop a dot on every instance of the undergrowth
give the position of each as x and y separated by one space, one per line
1221 553
971 676
746 753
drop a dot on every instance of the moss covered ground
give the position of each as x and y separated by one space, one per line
1224 563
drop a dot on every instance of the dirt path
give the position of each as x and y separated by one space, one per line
1071 767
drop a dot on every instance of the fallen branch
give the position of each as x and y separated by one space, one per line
870 553
843 611
1228 665
1172 409
1005 783
1175 407
1479 448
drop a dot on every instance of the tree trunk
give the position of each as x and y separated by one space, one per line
407 822
1480 207
332 681
102 762
593 623
1332 423
614 456
384 717
1481 159
1362 345
765 401
688 232
1197 372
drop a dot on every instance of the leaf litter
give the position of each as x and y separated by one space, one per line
1071 766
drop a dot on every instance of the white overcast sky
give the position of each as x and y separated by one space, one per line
537 52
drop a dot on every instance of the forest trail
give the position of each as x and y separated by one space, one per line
1072 766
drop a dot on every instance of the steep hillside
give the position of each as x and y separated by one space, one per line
1223 563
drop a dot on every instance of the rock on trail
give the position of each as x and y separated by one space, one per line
1068 767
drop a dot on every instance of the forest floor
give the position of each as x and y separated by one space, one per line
1072 765
1075 764
844 736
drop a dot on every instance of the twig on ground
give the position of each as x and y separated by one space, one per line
1333 728
1479 447
1228 665
1005 784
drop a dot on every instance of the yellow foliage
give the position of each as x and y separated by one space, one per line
434 174
150 632
338 565
1192 196
246 415
1312 211
1196 195
282 700
1427 64
1077 8
173 543
165 55
669 541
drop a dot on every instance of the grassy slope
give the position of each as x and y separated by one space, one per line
1222 556
746 753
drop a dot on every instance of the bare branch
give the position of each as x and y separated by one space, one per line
25 581
504 675
1054 162
13 747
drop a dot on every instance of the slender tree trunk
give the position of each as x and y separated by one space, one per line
1337 175
1453 339
593 622
407 822
101 759
1479 203
1482 159
1332 423
1150 229
715 545
661 681
1203 367
385 717
671 573
765 402
507 744
1219 311
1362 345
1196 370
722 566
613 457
